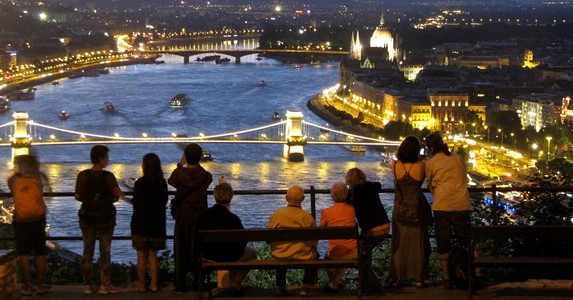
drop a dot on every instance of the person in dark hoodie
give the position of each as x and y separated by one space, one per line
191 181
372 219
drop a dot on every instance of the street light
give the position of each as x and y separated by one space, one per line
548 145
501 132
534 147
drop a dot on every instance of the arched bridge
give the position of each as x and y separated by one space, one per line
237 54
293 132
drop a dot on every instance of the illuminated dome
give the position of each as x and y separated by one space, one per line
382 38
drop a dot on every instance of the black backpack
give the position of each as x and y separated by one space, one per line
97 200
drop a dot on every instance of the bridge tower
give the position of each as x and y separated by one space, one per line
21 138
294 147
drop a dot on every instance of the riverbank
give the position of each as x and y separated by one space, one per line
318 103
65 74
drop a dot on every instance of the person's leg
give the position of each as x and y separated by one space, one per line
153 269
461 226
182 257
443 238
370 280
89 236
237 276
41 273
25 267
141 269
335 275
105 237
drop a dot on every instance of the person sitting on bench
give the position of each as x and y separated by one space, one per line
290 217
219 217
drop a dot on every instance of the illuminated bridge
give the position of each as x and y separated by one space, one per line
294 133
237 53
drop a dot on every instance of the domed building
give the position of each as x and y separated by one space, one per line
382 38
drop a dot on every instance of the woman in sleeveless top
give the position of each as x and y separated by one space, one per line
410 242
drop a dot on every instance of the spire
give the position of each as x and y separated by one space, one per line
382 21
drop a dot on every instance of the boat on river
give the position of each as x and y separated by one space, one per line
179 100
276 116
28 94
108 107
64 115
263 83
209 58
4 105
222 60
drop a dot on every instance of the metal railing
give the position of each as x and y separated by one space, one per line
497 207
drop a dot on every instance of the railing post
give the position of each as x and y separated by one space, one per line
495 209
313 202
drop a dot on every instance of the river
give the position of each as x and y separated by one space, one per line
225 98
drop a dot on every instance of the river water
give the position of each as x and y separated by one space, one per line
225 98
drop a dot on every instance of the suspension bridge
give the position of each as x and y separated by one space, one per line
295 133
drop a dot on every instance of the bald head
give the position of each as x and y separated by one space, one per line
295 195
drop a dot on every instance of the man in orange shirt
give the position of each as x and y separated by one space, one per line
339 214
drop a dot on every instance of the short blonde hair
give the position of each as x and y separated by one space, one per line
355 177
339 191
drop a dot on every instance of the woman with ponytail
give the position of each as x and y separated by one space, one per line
447 180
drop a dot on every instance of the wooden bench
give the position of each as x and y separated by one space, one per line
274 235
508 232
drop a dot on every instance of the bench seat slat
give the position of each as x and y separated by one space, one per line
280 234
482 261
516 231
277 264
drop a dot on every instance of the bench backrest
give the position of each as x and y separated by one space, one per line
279 234
524 232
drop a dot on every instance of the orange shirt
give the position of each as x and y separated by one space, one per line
340 214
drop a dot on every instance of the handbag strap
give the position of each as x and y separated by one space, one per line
396 186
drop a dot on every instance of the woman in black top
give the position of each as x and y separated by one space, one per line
372 219
148 221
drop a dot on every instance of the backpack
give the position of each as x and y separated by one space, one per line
97 200
27 197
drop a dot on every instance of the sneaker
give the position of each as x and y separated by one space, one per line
26 291
88 289
41 290
305 292
108 289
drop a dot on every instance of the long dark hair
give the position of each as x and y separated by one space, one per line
435 143
409 150
151 166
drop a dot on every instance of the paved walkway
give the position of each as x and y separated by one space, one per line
559 290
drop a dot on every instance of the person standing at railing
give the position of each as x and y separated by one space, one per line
219 217
294 216
411 216
148 221
339 214
97 190
191 181
29 222
372 219
447 180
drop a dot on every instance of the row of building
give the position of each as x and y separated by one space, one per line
458 83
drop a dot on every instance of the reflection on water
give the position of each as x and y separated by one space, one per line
225 98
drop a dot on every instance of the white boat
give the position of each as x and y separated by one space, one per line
108 107
4 104
276 116
358 149
179 100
